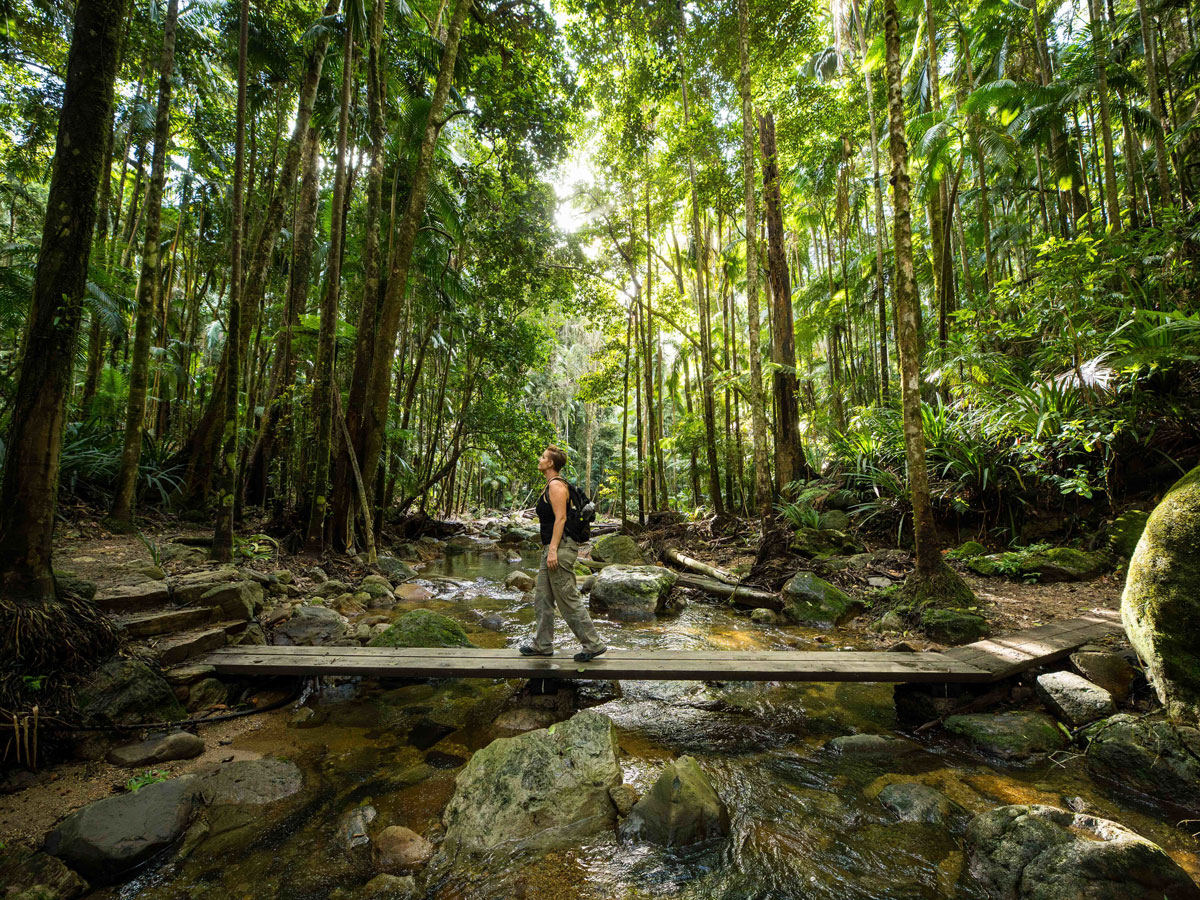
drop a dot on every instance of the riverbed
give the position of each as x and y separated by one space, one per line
805 821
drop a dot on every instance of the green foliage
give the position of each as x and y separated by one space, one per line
150 776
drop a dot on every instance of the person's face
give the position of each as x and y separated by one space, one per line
544 461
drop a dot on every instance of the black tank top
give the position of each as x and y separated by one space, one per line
545 513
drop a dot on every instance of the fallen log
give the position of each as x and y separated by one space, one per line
750 598
686 562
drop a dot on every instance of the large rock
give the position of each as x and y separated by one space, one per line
401 850
412 593
396 570
520 581
631 593
681 809
106 839
158 749
187 589
913 801
543 790
1161 603
1108 670
240 600
240 801
126 691
953 626
422 628
1067 564
310 626
821 543
139 595
809 600
1150 756
1126 531
1043 853
617 548
26 874
1013 735
1051 565
1074 699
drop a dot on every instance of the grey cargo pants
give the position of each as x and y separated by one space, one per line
557 586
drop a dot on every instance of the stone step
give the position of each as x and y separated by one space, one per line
165 621
176 648
129 598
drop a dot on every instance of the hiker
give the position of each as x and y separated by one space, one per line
556 574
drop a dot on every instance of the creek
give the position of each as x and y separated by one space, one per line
806 823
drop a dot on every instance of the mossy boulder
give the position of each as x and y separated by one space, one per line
74 585
809 600
542 790
835 519
1161 604
124 691
821 543
968 550
27 874
1045 565
1042 853
954 626
617 548
422 628
1066 564
1126 530
681 808
631 593
1150 756
1012 736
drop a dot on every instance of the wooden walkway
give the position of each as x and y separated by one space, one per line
983 662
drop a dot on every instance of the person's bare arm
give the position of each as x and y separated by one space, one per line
558 502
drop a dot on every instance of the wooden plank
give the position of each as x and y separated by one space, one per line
1011 654
781 666
982 662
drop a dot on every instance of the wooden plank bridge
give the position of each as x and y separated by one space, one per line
978 663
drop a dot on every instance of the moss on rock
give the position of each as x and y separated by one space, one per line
809 600
1126 530
1161 604
967 550
953 626
422 628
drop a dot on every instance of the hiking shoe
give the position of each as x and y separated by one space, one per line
588 655
530 650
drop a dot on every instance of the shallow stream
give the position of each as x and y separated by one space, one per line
805 822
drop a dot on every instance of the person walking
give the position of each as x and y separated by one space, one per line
556 574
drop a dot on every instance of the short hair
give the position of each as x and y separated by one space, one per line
558 456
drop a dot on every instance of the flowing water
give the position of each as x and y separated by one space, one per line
805 823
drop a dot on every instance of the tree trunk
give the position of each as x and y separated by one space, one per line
28 491
198 452
1162 167
789 455
1100 42
931 572
379 384
702 301
758 420
222 549
148 289
324 383
283 375
344 499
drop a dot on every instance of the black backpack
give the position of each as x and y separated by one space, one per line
580 513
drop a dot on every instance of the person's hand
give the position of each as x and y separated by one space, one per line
552 558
